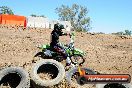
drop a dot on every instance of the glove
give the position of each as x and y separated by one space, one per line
64 33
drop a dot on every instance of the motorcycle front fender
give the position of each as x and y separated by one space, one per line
78 51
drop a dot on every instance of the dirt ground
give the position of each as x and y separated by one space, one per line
105 53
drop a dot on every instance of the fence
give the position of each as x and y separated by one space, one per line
13 20
34 22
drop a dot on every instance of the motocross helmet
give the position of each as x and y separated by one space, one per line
56 27
61 27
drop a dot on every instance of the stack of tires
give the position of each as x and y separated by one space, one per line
47 66
17 77
114 85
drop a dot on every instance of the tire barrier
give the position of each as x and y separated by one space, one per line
16 77
47 66
114 85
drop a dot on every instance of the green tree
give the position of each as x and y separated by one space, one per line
5 10
128 32
76 14
120 33
33 15
42 16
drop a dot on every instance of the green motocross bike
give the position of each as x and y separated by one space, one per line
76 55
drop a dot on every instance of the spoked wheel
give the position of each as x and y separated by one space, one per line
77 59
59 58
39 54
42 55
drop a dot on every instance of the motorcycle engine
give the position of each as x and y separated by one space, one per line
48 53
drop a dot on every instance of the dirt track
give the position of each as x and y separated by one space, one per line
105 53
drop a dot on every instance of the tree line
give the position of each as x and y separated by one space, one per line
126 32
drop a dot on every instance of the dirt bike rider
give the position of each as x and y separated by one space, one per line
55 46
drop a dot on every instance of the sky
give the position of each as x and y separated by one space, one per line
107 16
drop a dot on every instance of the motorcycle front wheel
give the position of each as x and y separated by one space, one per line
77 59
